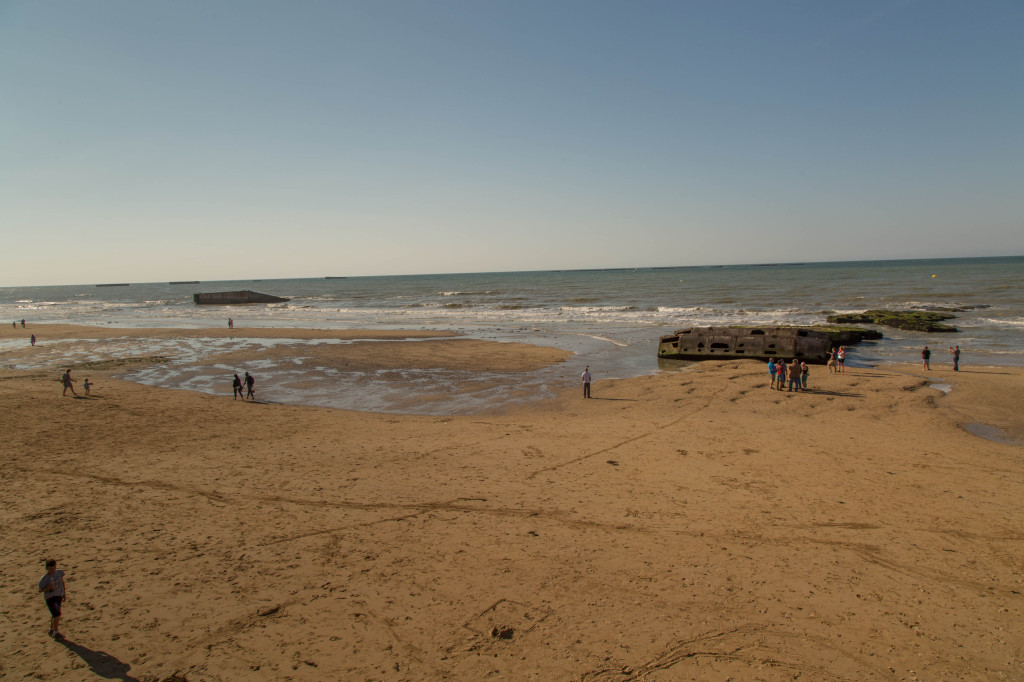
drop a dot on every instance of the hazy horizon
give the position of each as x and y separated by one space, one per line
504 272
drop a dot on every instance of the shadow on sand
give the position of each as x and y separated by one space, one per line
837 394
101 663
981 371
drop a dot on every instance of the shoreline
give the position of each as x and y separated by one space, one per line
628 311
690 524
402 372
63 332
205 369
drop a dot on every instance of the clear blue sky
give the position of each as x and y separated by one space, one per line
155 141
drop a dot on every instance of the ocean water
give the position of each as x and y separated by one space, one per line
611 319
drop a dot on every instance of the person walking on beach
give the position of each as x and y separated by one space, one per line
231 323
586 381
803 375
54 592
33 339
236 387
833 361
841 359
771 373
794 375
249 382
68 382
88 386
780 375
955 352
22 323
926 356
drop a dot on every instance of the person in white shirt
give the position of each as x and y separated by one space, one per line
586 382
54 592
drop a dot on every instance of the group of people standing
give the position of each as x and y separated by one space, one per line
926 357
248 382
796 370
837 360
32 338
836 363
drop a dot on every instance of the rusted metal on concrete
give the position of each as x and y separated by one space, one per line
762 343
235 298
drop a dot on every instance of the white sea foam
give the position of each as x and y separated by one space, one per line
682 311
596 309
580 312
1012 323
605 338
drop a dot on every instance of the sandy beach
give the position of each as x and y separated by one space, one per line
688 525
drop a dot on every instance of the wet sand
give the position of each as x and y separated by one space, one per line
59 332
389 371
688 525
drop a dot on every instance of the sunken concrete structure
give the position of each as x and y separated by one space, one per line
710 343
235 298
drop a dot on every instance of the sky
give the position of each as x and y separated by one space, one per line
166 141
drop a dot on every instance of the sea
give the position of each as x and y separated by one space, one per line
610 319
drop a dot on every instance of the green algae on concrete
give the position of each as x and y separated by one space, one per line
910 320
848 336
840 335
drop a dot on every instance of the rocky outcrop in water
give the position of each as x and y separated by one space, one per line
910 320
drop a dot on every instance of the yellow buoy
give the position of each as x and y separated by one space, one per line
934 275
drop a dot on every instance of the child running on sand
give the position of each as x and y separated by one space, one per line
88 386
